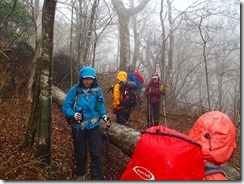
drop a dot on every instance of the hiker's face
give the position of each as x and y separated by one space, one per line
87 82
155 80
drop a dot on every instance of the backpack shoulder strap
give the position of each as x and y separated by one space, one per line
122 84
77 94
95 90
122 87
212 169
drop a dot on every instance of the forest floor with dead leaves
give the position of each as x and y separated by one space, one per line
18 164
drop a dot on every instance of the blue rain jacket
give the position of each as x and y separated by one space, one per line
86 102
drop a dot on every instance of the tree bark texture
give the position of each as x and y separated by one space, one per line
124 15
29 138
163 48
89 34
45 98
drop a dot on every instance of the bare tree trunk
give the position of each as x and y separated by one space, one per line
135 57
124 41
205 62
33 71
162 60
79 32
171 39
89 34
45 98
35 9
147 64
29 137
124 15
170 49
71 45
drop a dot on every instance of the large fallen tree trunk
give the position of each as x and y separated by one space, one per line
125 138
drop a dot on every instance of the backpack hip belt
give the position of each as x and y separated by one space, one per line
90 120
81 124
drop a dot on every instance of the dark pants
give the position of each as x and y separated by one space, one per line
138 93
122 115
83 139
153 114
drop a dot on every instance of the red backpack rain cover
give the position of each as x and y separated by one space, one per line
216 133
139 76
164 154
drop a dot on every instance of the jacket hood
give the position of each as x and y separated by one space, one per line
155 75
87 71
131 68
122 76
216 133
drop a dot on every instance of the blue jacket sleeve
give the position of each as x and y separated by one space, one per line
68 105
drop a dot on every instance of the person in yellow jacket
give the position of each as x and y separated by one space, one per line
122 113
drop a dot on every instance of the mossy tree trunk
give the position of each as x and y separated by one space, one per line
29 138
40 120
45 97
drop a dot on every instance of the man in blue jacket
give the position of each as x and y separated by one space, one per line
85 105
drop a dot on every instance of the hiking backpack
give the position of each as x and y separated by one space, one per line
128 91
216 133
139 76
165 154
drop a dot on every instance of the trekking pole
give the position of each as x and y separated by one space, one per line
164 113
110 89
149 109
107 144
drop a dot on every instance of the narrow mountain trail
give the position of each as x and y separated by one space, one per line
18 164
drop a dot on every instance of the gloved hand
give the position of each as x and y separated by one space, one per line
161 87
107 120
78 116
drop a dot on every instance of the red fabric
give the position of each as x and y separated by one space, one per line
139 76
155 94
222 134
158 156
